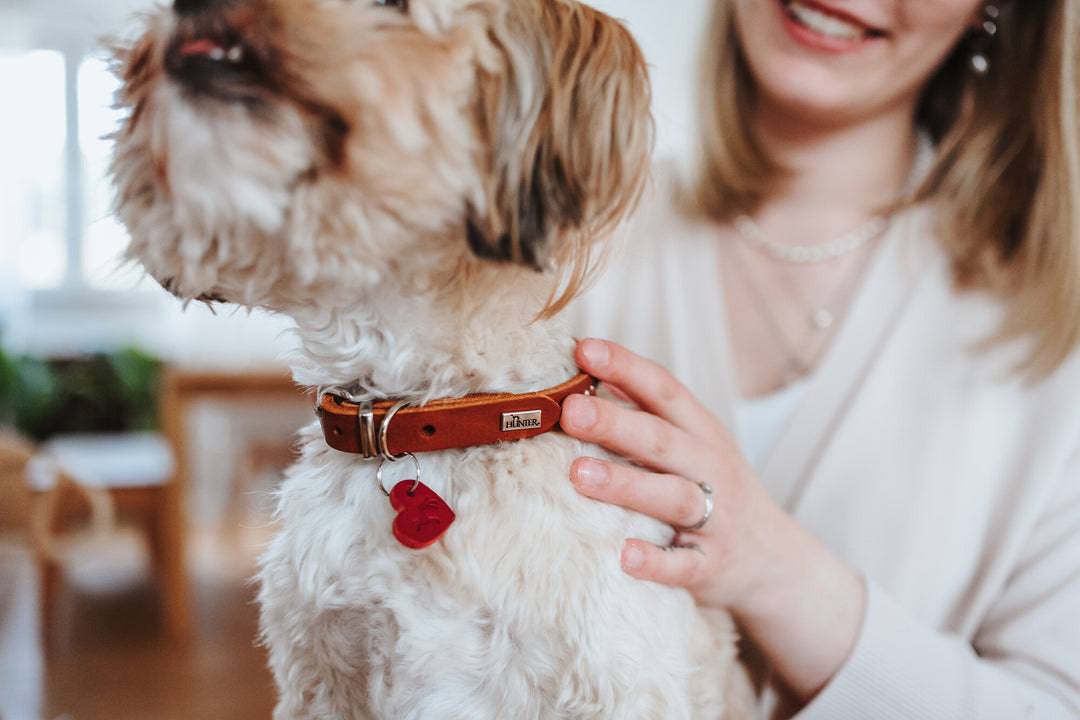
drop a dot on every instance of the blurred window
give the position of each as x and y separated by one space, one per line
33 134
56 227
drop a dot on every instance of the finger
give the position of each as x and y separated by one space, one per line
677 566
647 384
639 436
619 395
668 498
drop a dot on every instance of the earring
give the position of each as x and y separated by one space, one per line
980 62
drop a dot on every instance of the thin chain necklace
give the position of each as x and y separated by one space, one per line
800 356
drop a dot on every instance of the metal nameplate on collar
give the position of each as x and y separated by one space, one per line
527 420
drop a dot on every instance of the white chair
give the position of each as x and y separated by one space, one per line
120 478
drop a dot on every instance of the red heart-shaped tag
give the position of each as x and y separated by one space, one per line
423 516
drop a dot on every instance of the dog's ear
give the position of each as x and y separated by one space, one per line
563 119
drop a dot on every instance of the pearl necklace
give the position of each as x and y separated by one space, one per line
805 254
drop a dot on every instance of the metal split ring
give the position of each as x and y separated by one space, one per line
393 459
707 491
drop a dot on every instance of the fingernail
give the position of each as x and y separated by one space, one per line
596 352
633 558
589 473
580 411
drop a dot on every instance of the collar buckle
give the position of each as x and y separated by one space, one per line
365 426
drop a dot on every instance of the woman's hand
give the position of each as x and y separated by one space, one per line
798 602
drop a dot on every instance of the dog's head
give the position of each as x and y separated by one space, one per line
277 151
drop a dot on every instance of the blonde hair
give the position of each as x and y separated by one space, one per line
1005 182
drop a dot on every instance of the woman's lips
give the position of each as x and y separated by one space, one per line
823 28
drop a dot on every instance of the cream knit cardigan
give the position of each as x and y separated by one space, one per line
949 483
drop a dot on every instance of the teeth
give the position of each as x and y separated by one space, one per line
235 54
824 24
216 54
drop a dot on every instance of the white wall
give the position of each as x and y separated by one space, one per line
669 32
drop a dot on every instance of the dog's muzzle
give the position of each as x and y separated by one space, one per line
219 49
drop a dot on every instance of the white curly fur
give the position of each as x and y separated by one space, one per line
333 179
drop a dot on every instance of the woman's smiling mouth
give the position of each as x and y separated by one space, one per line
837 30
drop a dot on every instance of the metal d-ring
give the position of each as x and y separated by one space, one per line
378 473
384 426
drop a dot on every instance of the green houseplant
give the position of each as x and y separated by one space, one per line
113 392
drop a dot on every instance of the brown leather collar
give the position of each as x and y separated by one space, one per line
391 429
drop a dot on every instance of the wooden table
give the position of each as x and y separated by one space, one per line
180 389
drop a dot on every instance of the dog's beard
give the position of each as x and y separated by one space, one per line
225 191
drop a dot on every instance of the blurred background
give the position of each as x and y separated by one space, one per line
139 440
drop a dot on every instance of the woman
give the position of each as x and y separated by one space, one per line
869 293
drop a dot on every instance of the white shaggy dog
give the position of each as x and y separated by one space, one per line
419 184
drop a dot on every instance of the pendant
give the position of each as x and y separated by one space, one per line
422 517
822 319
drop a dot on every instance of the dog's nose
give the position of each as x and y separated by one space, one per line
188 7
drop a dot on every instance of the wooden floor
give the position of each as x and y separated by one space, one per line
110 660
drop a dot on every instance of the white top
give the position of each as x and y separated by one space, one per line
950 484
760 420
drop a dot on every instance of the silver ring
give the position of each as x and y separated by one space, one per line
708 510
379 475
